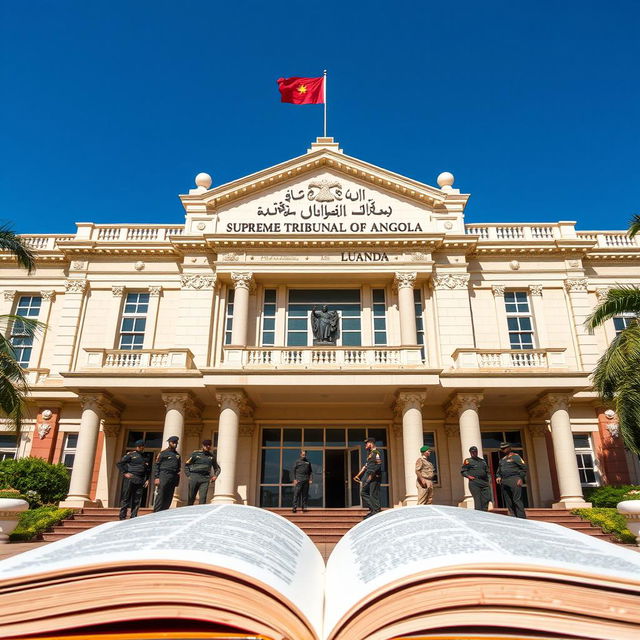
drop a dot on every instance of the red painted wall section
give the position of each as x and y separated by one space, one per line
44 447
96 466
610 452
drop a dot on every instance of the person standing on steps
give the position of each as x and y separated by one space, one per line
424 476
511 474
167 476
302 478
135 472
372 472
476 470
202 469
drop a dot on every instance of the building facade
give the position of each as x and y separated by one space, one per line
443 333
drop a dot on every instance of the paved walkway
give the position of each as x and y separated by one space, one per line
13 548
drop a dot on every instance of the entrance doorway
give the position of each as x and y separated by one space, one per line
340 490
153 446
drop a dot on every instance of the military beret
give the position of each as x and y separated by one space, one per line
473 448
173 439
139 443
504 445
372 440
423 449
206 443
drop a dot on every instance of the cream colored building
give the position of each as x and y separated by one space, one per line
449 333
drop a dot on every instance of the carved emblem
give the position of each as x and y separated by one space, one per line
43 430
602 293
535 289
117 291
139 266
196 281
451 280
577 285
324 190
75 286
155 292
48 295
498 290
9 295
230 257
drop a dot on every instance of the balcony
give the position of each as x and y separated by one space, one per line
508 359
120 359
322 357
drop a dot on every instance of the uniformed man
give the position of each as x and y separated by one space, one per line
302 478
424 476
167 474
476 470
202 469
372 471
135 472
510 475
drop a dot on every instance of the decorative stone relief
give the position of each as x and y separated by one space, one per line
46 414
602 293
75 286
197 281
78 265
538 429
230 257
451 281
236 400
101 403
514 265
109 428
574 263
535 289
419 256
117 291
448 225
139 266
556 402
498 290
247 430
576 285
43 429
405 279
463 402
154 291
243 280
410 400
9 295
176 401
451 429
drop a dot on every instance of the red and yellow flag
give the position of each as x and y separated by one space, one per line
302 90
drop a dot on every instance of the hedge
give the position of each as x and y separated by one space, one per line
609 495
40 481
609 520
35 521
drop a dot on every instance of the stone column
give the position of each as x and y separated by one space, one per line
243 283
94 406
68 325
152 316
233 403
195 317
539 318
501 315
569 485
581 306
107 485
466 407
409 402
542 478
404 282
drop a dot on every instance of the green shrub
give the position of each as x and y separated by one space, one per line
609 496
609 520
12 494
49 481
35 521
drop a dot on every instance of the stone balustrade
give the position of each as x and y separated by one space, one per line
323 357
139 359
509 359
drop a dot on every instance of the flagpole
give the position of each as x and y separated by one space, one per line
324 86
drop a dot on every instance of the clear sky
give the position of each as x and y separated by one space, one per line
109 109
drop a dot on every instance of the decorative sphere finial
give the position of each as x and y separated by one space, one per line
203 180
445 180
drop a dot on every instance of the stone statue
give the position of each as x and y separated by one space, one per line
324 325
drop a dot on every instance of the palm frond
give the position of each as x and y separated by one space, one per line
619 363
621 299
634 226
627 404
13 389
9 241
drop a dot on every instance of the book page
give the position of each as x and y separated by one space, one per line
251 541
401 542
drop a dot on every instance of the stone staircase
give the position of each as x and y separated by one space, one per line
324 526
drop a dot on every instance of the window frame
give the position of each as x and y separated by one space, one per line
135 316
69 450
21 343
583 451
9 453
519 315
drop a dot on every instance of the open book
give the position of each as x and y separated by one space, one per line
411 572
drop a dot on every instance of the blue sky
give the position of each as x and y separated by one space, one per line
109 109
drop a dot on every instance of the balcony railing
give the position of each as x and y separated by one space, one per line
515 231
140 359
323 357
508 359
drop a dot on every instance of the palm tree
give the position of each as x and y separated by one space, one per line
13 385
616 377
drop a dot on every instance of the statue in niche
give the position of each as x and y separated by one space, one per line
324 325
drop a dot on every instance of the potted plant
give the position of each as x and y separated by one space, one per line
11 505
630 509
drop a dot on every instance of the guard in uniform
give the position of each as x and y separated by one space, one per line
199 469
476 470
372 471
302 478
510 475
135 472
167 475
424 476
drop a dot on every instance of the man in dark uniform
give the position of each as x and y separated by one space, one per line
510 475
167 474
302 478
372 470
476 470
199 469
135 472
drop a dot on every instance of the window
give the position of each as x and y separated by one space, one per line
519 319
429 440
228 319
28 307
269 318
8 446
417 301
622 321
379 317
134 321
585 459
68 454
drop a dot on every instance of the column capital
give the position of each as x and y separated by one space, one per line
102 403
9 295
109 428
181 401
452 429
498 290
75 285
235 399
535 289
538 429
155 291
551 402
243 280
404 279
247 430
451 281
117 290
602 293
48 295
197 281
462 402
409 399
576 285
